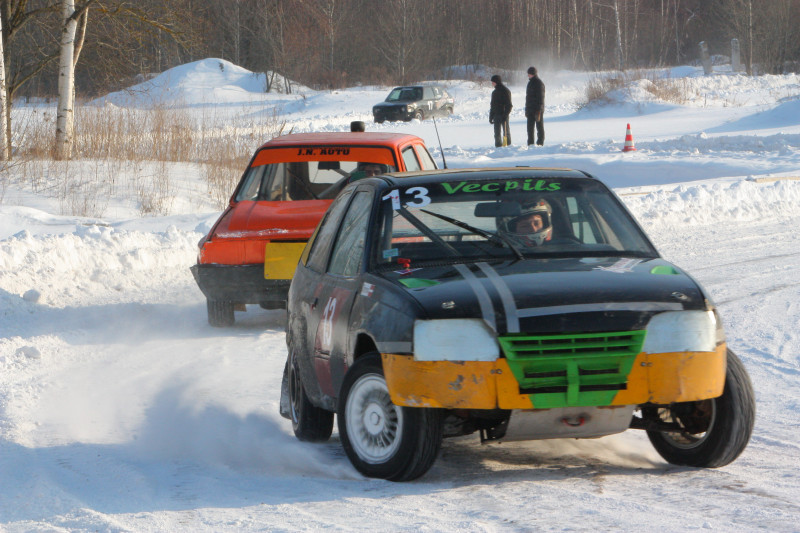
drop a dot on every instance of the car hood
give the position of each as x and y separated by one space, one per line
398 103
553 295
282 220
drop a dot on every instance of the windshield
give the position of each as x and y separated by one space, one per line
299 173
505 219
405 94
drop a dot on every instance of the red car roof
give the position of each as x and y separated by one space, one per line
339 138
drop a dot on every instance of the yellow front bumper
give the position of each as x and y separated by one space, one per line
658 378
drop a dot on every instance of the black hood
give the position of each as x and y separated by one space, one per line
396 103
553 295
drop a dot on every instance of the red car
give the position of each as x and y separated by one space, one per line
250 254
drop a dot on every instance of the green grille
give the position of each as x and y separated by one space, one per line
585 369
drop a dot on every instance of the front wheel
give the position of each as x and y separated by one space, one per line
381 439
419 115
712 432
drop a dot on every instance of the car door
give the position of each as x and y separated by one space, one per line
438 100
336 294
305 293
430 100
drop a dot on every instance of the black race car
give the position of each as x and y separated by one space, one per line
517 303
416 101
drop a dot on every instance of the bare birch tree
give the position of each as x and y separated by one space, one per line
71 44
5 151
620 58
400 36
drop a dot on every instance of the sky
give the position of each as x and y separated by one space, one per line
121 409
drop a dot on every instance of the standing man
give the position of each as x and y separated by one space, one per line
534 107
499 110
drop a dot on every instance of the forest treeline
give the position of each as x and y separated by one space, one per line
339 43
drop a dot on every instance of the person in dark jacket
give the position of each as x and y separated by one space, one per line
534 107
499 110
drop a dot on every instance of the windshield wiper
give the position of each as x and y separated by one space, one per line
428 232
494 238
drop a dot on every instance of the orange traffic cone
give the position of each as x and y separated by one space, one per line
629 147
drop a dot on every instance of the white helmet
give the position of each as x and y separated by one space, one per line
522 230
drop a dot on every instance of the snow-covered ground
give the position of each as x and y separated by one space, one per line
122 410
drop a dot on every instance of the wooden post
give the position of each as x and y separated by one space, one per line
704 58
736 58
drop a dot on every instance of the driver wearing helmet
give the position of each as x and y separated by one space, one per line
532 227
372 169
367 170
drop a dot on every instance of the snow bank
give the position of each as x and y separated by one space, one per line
711 203
95 264
208 81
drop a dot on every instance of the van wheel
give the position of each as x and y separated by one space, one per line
220 313
381 439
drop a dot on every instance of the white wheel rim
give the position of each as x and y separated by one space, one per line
374 424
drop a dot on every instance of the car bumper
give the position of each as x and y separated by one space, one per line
239 283
392 115
660 378
252 283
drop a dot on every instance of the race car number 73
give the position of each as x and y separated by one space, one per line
420 194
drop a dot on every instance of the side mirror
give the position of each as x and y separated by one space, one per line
329 165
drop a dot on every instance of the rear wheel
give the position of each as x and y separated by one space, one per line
381 439
712 432
419 115
309 422
220 313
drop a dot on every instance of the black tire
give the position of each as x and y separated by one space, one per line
419 115
714 431
220 313
309 422
396 443
380 120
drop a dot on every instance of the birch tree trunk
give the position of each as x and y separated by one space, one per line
5 152
66 81
577 32
620 58
750 37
